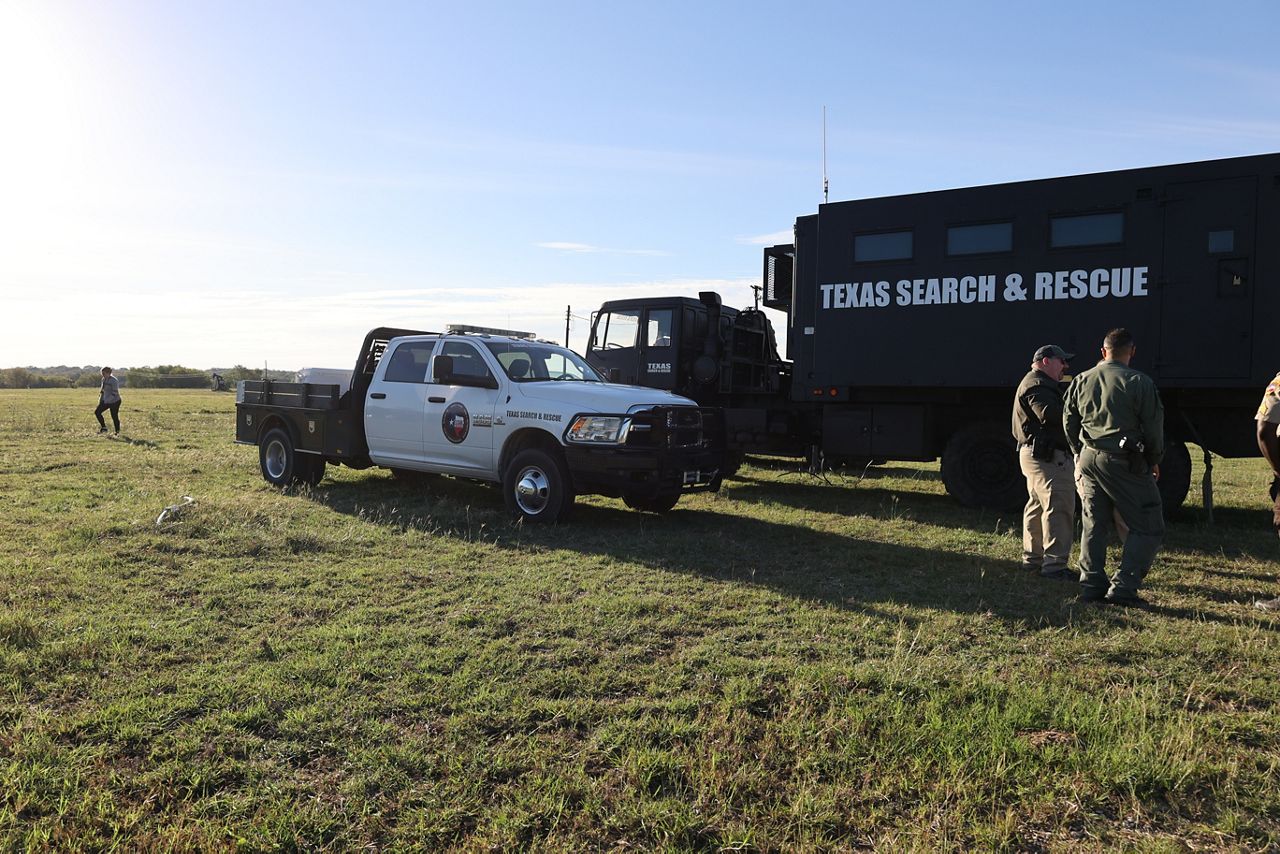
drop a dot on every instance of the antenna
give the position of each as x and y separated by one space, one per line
824 154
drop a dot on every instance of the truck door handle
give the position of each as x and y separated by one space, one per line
435 400
377 395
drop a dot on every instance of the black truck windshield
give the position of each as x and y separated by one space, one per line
532 363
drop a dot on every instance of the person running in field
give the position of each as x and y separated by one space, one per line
108 399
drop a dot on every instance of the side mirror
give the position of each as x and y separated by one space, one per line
442 369
615 375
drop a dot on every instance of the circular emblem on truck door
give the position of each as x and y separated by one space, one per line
456 423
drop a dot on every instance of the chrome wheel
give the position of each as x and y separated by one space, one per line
536 487
532 490
275 459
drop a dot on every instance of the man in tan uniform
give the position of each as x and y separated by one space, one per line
1268 421
1049 518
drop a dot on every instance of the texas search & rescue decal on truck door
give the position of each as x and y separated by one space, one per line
456 423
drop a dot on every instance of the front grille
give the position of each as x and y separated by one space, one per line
675 427
684 428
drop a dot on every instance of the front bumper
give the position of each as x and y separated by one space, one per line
680 449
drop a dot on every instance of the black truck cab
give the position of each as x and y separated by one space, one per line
711 353
645 341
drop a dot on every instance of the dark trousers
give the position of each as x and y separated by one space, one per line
115 414
1107 486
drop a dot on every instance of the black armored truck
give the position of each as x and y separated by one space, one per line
492 406
909 320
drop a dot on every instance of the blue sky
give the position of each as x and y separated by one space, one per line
219 183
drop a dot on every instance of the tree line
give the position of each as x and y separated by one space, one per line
160 376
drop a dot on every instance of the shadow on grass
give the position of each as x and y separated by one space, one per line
780 467
727 543
1220 596
869 500
141 443
1265 577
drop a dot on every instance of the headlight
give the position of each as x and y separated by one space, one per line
596 428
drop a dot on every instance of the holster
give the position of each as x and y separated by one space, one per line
1138 463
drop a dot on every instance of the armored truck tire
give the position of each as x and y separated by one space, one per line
536 486
1175 476
980 467
653 504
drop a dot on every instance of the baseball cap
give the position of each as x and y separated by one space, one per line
1052 351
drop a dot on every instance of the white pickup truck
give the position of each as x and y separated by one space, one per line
529 415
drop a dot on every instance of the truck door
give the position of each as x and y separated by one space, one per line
1208 272
458 426
657 349
613 351
393 411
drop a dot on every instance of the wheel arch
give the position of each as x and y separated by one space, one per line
271 422
524 438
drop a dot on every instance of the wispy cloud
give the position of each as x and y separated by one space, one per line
222 326
587 248
488 146
772 239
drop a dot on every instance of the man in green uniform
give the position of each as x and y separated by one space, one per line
1049 518
1115 425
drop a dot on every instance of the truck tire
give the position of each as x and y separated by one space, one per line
310 468
980 467
654 504
536 486
277 458
733 461
1175 476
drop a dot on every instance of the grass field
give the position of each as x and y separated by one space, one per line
789 665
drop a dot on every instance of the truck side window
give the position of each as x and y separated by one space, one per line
467 361
1104 229
618 329
883 246
1222 241
409 362
659 328
989 237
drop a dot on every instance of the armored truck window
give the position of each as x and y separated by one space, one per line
1086 230
467 361
659 328
618 329
980 239
887 246
1222 241
409 362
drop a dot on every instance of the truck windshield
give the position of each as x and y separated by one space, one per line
526 362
